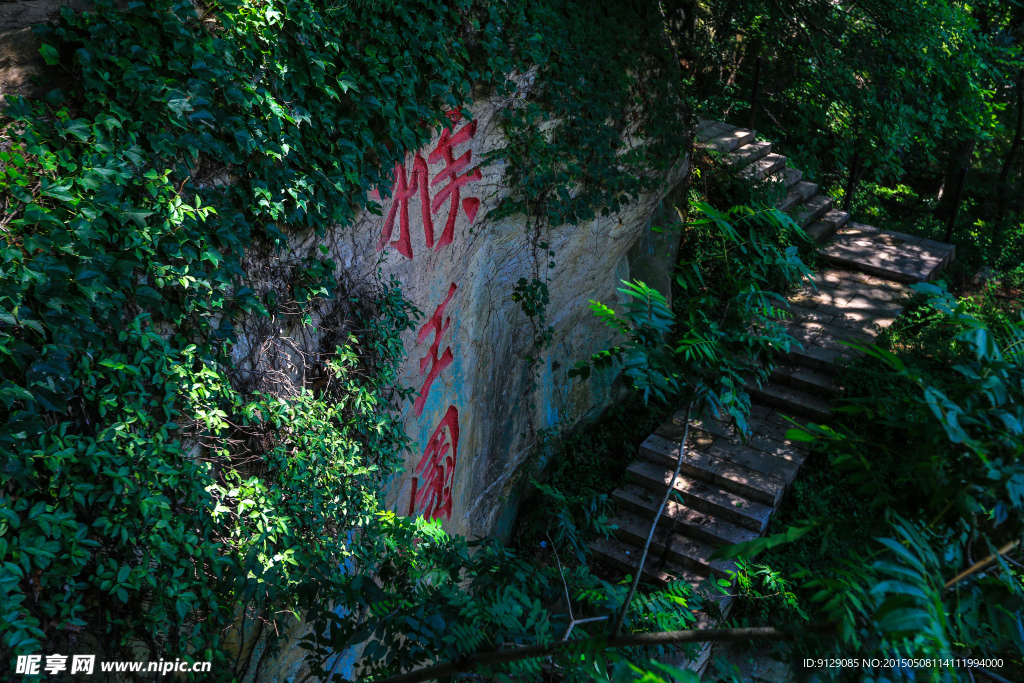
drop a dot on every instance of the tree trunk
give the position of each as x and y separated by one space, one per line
1018 140
959 157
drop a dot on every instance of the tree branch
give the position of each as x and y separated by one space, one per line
602 642
981 564
654 525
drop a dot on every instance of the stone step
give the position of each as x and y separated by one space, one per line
626 557
805 379
775 427
792 401
754 475
681 518
739 452
659 571
730 448
823 353
703 124
763 167
703 496
821 229
729 141
830 325
747 154
888 255
854 307
791 176
710 435
667 542
832 334
797 194
811 210
713 130
774 443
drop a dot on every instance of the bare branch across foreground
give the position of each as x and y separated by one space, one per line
617 626
602 642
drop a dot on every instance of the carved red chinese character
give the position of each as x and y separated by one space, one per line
432 487
404 189
410 185
437 324
445 151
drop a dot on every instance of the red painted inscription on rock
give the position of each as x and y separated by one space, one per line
447 186
438 325
435 473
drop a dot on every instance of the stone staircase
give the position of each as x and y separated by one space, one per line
730 484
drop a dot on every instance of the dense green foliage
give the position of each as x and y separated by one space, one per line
136 446
444 599
896 96
956 436
156 425
919 479
723 327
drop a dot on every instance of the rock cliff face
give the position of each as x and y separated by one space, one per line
21 65
480 402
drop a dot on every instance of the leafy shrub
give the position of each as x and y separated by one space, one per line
928 449
157 483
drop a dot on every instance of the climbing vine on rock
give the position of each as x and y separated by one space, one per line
604 123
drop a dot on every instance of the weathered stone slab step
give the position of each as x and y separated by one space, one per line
791 176
823 351
728 448
703 496
747 154
892 256
681 518
775 444
805 379
713 130
763 167
776 425
667 542
659 571
811 210
709 434
703 124
744 476
846 297
729 141
841 334
626 556
864 322
850 319
816 358
792 401
782 468
797 194
823 228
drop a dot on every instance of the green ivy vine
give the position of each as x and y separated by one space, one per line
602 127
